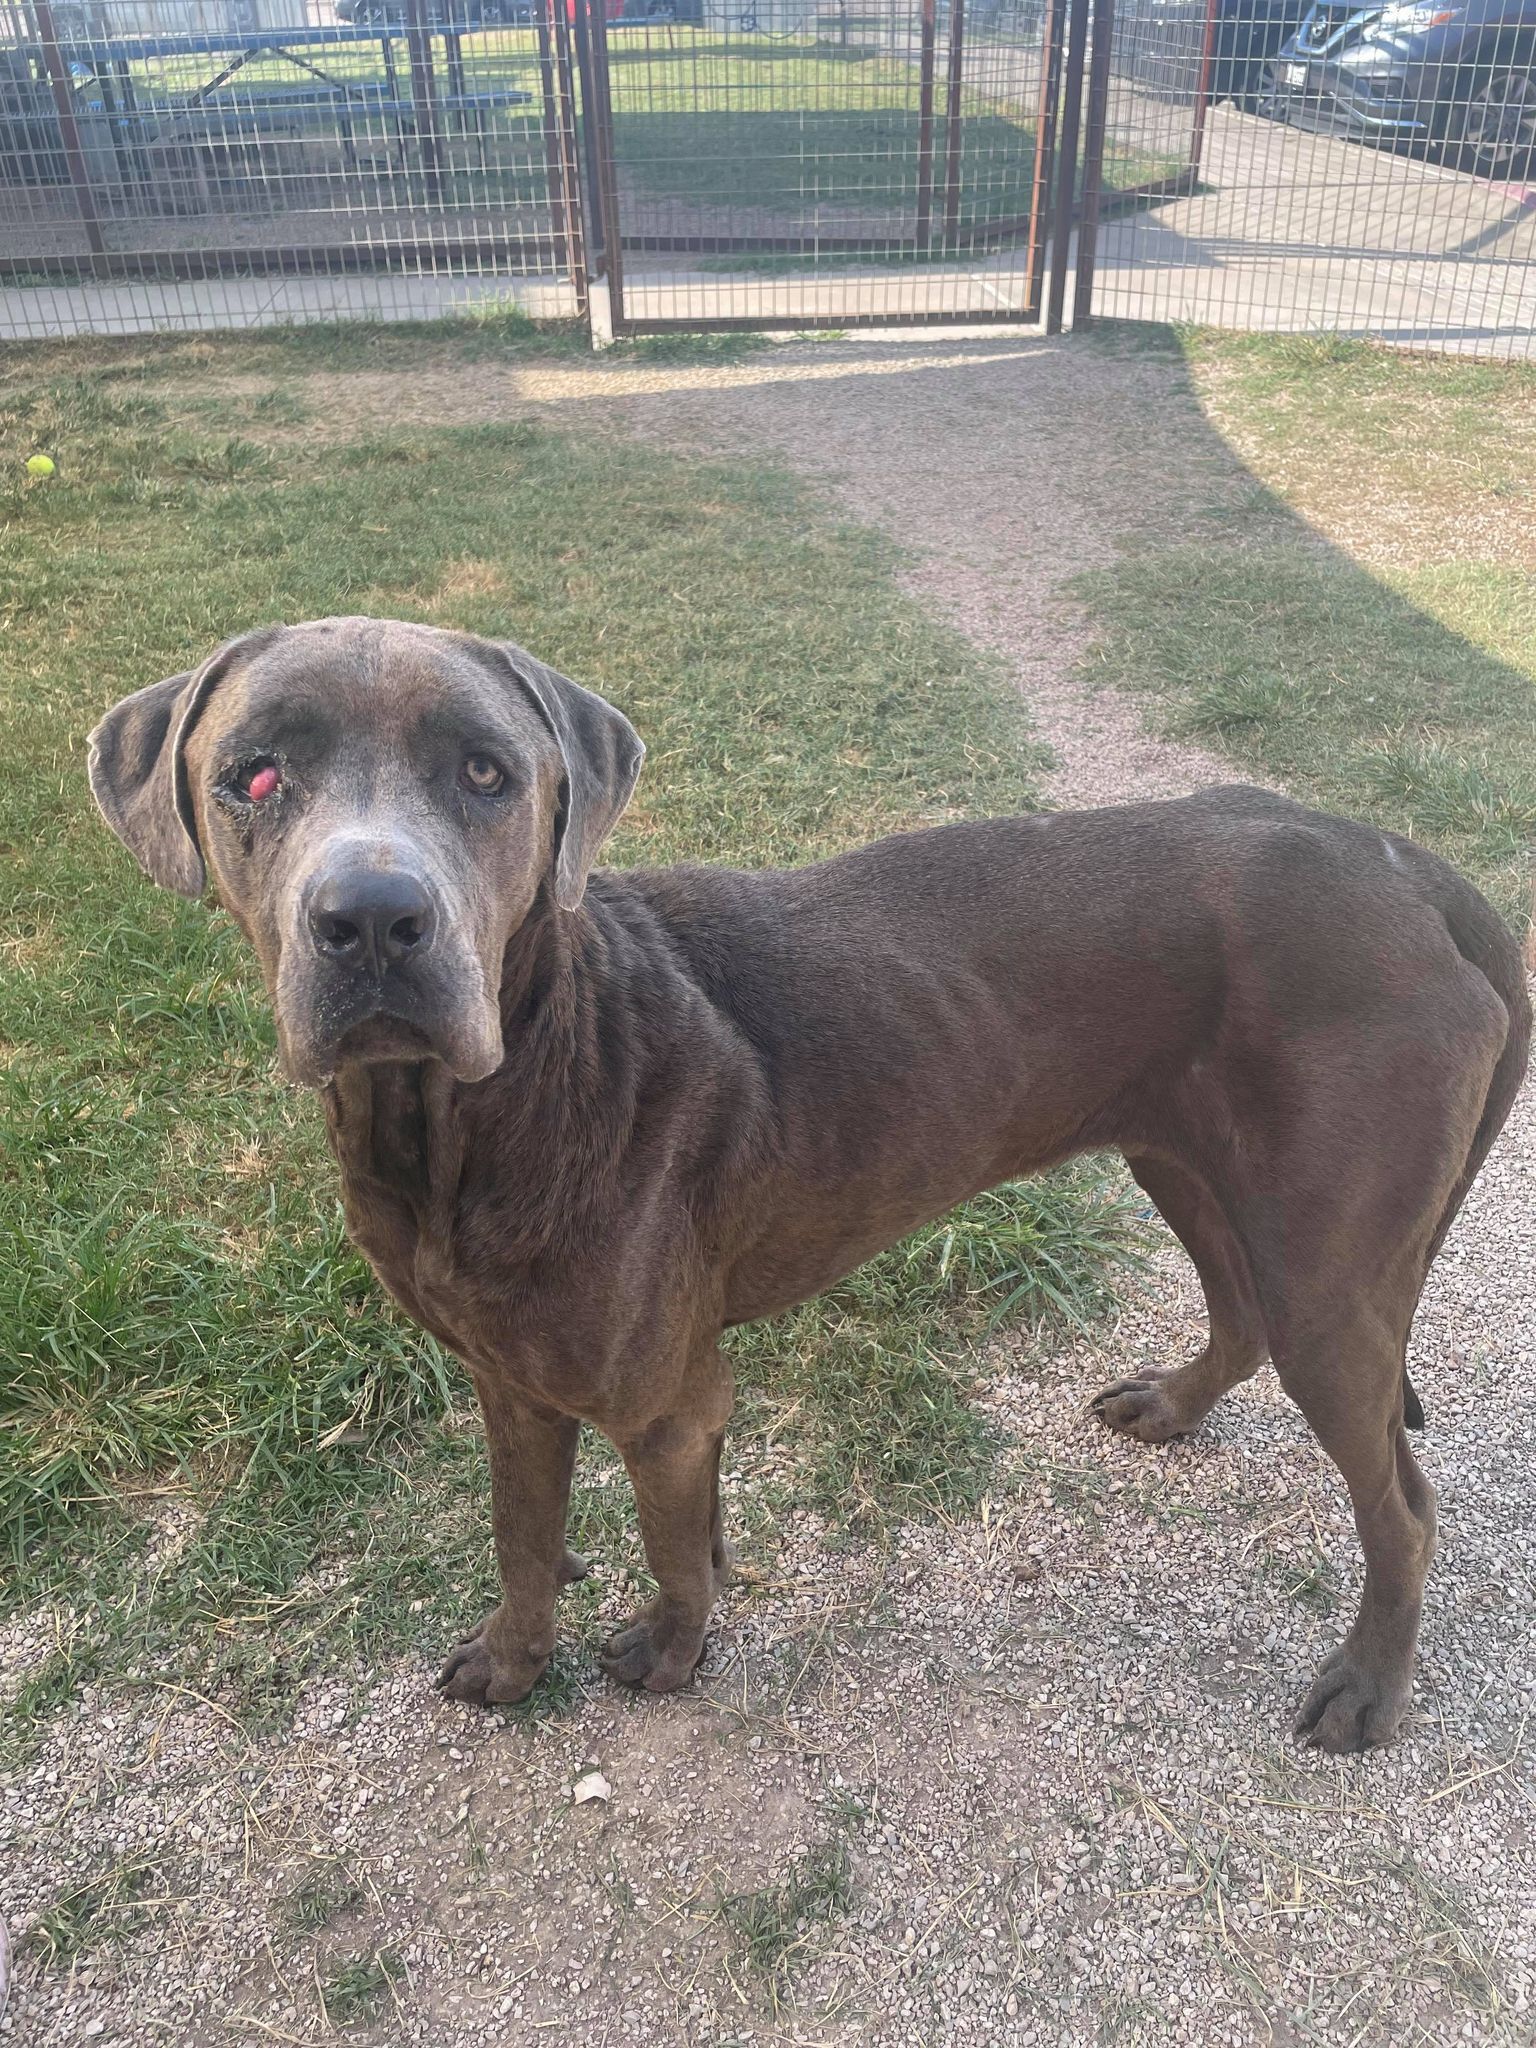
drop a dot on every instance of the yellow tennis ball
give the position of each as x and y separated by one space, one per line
39 465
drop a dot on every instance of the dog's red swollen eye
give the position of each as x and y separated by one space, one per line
264 780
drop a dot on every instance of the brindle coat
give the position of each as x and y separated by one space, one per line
587 1121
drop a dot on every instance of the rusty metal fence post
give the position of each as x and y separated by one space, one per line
418 39
1093 161
1203 88
69 131
927 46
1045 151
599 158
1066 167
954 82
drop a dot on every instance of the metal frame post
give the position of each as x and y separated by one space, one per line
923 226
1093 160
1203 89
1066 167
597 128
69 128
954 82
418 42
1045 152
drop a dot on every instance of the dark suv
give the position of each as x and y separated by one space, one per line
1462 79
1161 45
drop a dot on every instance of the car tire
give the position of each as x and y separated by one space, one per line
661 10
1495 132
1269 104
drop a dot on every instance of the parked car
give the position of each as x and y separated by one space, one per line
1460 79
1160 45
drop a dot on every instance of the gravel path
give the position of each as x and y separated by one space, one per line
1029 1773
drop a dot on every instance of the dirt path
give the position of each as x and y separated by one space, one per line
1025 1779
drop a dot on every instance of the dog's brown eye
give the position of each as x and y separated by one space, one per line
261 780
482 775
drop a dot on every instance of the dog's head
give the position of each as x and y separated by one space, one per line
379 806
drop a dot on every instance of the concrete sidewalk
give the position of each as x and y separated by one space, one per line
44 312
1293 232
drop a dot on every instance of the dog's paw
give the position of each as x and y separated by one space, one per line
655 1651
482 1677
572 1568
1350 1707
1142 1407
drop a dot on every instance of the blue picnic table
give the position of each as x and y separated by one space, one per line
209 113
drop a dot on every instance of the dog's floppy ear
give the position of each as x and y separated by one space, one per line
602 754
138 771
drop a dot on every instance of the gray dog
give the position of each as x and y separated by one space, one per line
587 1121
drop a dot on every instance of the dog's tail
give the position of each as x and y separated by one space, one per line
1485 942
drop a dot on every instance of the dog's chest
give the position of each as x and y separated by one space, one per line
477 1271
400 1158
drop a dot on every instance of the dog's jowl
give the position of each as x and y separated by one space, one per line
586 1119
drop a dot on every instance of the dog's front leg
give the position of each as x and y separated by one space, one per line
674 1467
532 1452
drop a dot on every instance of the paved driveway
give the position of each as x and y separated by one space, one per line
1292 231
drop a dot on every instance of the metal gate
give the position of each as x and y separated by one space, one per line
694 164
824 163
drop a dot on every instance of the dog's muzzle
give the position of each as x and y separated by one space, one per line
374 970
369 920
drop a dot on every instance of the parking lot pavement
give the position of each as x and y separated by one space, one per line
1291 231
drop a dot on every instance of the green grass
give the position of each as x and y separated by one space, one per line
97 1912
316 1902
359 1991
766 127
222 1449
1401 688
859 160
485 330
880 1410
775 1924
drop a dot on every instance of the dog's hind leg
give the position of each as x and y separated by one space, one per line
1342 1363
1157 1405
1343 1203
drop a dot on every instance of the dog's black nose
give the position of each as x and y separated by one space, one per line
371 918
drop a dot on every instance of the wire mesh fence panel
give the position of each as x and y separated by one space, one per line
222 162
1366 171
1152 103
794 163
1266 164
